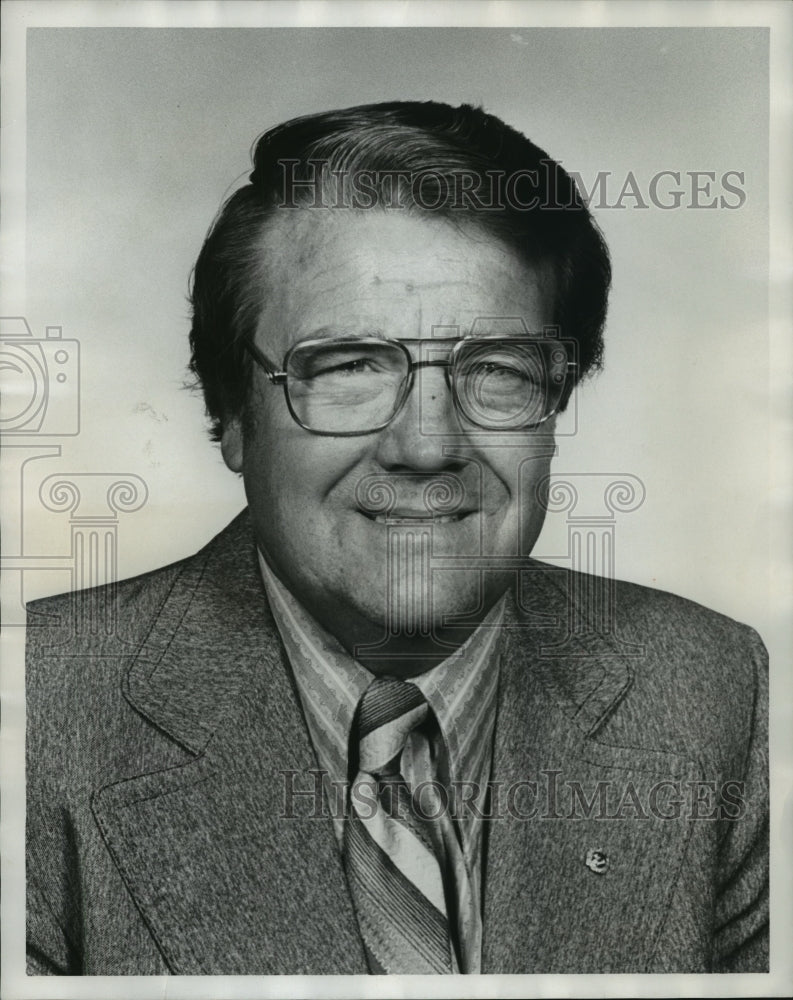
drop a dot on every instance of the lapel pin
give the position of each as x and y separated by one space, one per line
596 861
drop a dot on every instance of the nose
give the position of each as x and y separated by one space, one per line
415 438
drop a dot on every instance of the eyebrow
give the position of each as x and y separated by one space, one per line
346 332
368 333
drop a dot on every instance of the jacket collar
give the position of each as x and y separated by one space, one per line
212 642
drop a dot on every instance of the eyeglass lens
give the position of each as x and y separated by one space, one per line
344 386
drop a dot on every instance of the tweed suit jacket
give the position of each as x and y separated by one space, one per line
629 831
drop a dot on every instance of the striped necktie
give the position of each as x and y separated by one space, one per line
395 858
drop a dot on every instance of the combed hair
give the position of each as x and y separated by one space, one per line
413 154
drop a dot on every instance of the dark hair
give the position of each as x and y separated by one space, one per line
458 163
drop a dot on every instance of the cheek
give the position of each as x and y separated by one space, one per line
281 486
533 500
534 481
295 481
269 469
520 489
514 476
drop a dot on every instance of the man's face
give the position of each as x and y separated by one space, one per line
313 498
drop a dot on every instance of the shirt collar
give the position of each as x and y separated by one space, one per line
461 689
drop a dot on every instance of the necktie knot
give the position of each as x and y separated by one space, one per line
389 710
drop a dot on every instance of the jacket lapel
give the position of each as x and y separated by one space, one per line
565 890
228 868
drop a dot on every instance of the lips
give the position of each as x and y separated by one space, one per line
417 518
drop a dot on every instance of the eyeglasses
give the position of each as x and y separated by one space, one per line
351 386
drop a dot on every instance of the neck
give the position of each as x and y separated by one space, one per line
401 653
406 656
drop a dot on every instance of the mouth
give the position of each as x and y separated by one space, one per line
417 519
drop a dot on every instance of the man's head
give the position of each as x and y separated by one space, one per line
421 224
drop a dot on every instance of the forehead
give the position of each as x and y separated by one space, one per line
329 272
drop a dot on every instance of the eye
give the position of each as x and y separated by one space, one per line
500 368
334 363
501 375
331 362
355 366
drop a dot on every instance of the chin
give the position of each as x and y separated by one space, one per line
419 604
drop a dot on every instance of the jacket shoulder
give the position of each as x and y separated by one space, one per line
89 622
699 679
686 643
113 618
78 647
82 730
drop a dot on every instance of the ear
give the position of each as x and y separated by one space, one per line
231 445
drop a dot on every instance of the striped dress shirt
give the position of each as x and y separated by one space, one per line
461 690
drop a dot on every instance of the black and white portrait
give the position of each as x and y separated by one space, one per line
390 478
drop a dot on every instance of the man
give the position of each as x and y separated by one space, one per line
362 730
